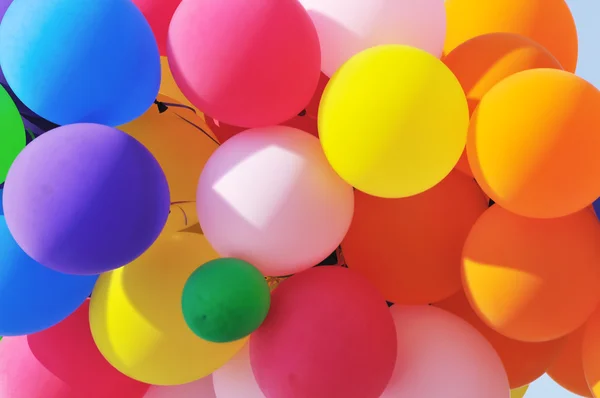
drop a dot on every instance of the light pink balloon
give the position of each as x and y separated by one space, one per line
348 27
441 355
202 388
235 379
269 197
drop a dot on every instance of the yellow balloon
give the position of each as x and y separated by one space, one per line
169 88
137 321
415 124
176 137
518 392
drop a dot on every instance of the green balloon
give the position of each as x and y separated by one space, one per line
225 300
12 133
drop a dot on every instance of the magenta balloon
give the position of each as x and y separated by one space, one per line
329 333
441 355
245 63
85 199
268 196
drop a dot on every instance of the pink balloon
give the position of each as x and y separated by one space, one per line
441 355
245 63
268 196
202 388
235 379
328 334
159 14
61 362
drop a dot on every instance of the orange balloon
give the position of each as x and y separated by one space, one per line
591 353
523 362
410 248
567 367
180 141
169 88
533 279
482 62
534 143
548 22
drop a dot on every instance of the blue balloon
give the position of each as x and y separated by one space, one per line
75 61
33 297
596 206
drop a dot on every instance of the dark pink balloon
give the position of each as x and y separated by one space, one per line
62 362
245 63
329 333
158 13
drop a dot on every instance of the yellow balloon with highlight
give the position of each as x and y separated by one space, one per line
169 88
415 124
180 141
137 321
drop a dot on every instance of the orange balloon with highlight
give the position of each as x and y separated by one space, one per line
530 279
567 367
482 62
548 22
534 143
410 248
524 362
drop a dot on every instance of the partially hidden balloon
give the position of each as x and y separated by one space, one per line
12 133
441 355
269 197
591 353
483 61
249 64
180 141
532 143
202 388
414 141
548 22
349 27
567 367
109 73
169 88
235 379
523 362
85 199
1 207
533 279
158 14
328 334
410 248
143 334
33 297
519 392
225 300
62 362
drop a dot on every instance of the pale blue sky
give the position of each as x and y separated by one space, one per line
587 18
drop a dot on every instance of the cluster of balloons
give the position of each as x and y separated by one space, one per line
176 170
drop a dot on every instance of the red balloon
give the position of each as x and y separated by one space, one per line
305 121
328 334
62 362
158 13
245 63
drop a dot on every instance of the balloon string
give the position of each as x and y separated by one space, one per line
199 128
185 219
164 106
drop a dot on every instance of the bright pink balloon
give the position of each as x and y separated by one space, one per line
328 334
235 379
245 63
202 388
268 196
159 14
62 362
441 355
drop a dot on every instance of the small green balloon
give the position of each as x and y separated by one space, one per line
12 133
225 300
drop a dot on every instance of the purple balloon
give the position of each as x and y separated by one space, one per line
85 198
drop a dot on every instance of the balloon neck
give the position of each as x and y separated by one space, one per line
303 113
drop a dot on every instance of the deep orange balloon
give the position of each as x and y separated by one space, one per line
534 142
482 62
533 279
548 22
567 367
523 362
410 248
591 353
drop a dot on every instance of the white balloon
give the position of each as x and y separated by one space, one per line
202 388
347 27
235 379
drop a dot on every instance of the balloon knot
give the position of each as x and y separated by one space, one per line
161 106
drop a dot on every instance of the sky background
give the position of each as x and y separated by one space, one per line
587 18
